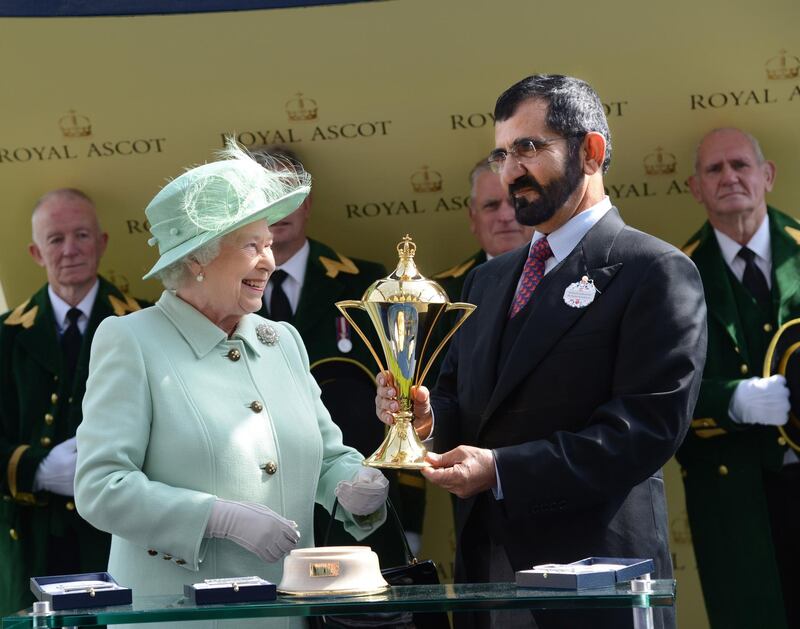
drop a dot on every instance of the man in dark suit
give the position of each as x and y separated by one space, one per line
742 481
310 277
44 362
574 381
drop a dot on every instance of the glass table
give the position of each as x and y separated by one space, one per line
416 598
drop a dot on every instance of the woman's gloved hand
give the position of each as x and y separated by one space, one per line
365 494
254 527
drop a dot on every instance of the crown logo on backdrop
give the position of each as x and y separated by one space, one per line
783 66
426 180
301 108
659 162
74 125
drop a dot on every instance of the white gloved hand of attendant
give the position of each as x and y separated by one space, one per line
254 527
56 472
365 494
761 401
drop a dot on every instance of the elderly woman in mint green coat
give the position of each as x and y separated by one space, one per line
204 443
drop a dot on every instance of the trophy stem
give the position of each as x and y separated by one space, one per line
401 449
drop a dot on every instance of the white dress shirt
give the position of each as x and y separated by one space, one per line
758 244
295 268
61 308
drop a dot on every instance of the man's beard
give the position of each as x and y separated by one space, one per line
551 197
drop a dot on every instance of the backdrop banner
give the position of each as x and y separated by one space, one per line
389 104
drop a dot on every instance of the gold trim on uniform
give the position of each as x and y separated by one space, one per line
344 265
19 317
457 271
11 475
689 249
122 308
705 422
794 233
411 480
705 433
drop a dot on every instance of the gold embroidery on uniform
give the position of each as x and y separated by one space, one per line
689 249
123 308
457 271
18 317
794 233
334 267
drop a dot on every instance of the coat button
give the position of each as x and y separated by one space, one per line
54 397
270 467
684 473
736 349
180 562
767 327
45 441
723 470
167 557
152 552
256 406
743 369
70 506
13 534
781 441
49 419
234 355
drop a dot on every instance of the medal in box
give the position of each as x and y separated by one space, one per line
75 591
592 572
230 590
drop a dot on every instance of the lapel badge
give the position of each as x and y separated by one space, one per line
267 334
581 293
343 342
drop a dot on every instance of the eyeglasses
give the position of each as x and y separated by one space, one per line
522 149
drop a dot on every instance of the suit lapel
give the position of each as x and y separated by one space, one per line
41 340
720 301
785 268
548 317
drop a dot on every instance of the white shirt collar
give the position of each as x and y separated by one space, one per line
61 308
564 239
758 244
295 268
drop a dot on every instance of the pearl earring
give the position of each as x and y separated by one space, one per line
200 276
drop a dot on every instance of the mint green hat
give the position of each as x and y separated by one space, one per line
212 200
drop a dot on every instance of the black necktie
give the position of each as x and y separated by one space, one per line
279 307
71 341
753 279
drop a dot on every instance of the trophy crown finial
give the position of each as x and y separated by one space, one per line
406 248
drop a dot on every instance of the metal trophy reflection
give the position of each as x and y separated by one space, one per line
404 309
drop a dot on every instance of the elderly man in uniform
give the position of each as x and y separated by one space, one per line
493 223
44 349
742 482
310 278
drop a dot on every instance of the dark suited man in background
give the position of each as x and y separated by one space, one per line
742 482
44 354
309 279
573 383
493 223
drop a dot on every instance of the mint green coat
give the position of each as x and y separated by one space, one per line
171 422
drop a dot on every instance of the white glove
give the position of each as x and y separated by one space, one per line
761 401
365 494
254 527
56 472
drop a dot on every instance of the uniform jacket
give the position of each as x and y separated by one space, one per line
452 280
586 408
723 462
177 414
38 410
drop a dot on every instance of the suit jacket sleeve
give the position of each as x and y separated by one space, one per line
660 352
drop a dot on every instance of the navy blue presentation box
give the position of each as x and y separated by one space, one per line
115 595
203 594
580 575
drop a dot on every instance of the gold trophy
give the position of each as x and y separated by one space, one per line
404 308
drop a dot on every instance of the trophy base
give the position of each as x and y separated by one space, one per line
400 450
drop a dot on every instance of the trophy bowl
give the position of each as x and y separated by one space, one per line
404 309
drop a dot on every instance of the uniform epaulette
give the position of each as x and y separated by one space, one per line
794 233
689 249
123 307
19 317
457 271
342 265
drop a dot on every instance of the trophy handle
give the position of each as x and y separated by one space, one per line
354 303
467 309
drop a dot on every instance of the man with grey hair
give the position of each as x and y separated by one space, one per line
44 358
742 481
